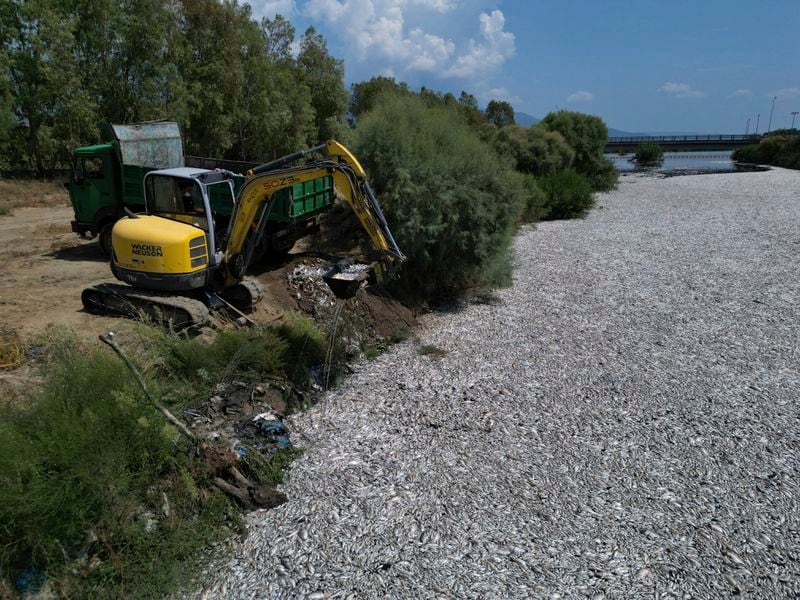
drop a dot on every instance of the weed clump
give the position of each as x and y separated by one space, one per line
97 490
82 468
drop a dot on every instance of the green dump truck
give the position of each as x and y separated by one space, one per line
109 178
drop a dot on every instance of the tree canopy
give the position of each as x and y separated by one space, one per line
232 83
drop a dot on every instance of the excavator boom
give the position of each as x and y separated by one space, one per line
349 181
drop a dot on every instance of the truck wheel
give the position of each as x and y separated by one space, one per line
104 239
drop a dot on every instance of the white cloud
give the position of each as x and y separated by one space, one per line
498 93
792 92
580 97
497 46
381 33
741 93
681 90
270 8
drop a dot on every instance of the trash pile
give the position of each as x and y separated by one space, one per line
307 286
245 417
315 297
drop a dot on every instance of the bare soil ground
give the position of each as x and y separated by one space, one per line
45 267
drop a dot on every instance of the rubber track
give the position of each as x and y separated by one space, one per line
255 288
127 301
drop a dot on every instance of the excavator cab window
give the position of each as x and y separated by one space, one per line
176 198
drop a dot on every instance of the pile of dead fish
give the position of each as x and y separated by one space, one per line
621 422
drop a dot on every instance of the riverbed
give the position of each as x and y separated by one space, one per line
679 162
620 422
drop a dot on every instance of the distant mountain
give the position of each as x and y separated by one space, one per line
525 119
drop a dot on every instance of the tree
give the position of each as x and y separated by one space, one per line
53 110
324 76
278 38
129 52
534 150
587 135
500 113
470 110
363 95
451 201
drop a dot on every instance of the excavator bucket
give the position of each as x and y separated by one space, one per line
345 278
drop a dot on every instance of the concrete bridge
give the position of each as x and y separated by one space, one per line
677 143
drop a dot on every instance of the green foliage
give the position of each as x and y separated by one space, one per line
364 95
779 149
534 150
451 202
324 75
567 194
87 453
649 152
499 113
535 202
232 83
305 346
587 135
253 354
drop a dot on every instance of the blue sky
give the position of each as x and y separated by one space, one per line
643 65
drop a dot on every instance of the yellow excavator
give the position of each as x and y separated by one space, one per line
181 259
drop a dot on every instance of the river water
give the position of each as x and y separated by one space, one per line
676 162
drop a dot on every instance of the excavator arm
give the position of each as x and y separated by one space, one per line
349 181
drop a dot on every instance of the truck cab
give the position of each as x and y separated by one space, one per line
108 178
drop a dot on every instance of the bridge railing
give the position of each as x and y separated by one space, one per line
684 138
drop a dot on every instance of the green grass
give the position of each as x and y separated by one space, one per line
4 211
86 452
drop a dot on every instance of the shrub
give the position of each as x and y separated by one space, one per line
567 194
649 153
588 136
287 350
87 453
450 200
536 201
779 149
533 150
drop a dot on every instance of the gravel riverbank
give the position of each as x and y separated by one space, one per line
622 421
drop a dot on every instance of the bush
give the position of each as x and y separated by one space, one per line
779 149
588 136
87 453
450 200
567 194
536 201
534 150
287 351
649 153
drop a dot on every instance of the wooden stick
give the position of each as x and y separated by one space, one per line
109 339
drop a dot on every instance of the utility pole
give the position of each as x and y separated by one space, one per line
747 129
794 114
758 118
769 127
